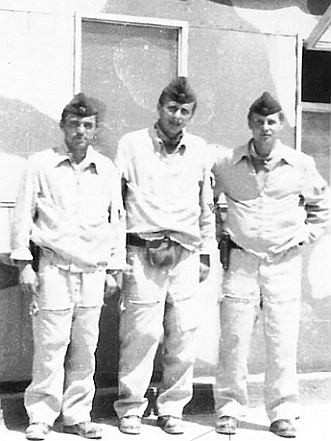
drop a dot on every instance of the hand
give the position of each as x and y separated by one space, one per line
111 285
28 279
128 270
204 267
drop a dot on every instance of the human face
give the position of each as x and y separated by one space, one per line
265 130
174 116
79 133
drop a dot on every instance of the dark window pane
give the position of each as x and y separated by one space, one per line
316 76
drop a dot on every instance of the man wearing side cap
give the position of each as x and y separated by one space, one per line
170 233
70 206
276 203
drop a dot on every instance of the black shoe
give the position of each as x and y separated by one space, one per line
37 431
171 424
227 425
130 424
86 429
284 428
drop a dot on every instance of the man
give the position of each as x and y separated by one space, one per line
70 206
276 202
168 199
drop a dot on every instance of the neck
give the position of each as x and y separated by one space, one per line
161 133
170 144
263 150
77 157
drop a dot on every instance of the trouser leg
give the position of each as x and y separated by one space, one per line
178 356
43 397
238 311
181 320
281 293
79 387
140 334
237 322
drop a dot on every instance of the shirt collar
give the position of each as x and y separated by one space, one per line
161 139
279 153
63 155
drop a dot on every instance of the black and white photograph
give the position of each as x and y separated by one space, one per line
165 215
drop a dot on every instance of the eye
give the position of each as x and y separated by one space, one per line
185 112
172 109
88 125
259 122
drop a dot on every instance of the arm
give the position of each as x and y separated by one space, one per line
206 223
24 214
117 219
317 203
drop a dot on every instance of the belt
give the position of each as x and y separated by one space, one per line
137 241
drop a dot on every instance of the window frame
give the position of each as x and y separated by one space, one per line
181 26
305 106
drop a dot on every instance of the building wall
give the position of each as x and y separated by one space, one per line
234 54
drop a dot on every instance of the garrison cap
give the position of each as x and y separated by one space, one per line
265 105
81 105
180 91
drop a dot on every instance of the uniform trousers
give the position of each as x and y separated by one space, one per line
276 284
158 304
65 318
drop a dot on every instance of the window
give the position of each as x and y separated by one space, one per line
316 76
125 62
316 108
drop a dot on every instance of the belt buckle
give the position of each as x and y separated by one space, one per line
157 243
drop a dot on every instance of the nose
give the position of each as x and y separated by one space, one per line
80 128
178 115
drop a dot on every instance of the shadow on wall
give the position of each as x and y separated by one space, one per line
24 129
309 6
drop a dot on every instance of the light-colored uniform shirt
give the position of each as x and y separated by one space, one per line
283 204
72 210
168 193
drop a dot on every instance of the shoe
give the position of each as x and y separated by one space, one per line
171 424
227 425
130 424
87 429
284 428
37 431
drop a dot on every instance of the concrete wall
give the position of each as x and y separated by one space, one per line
234 54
